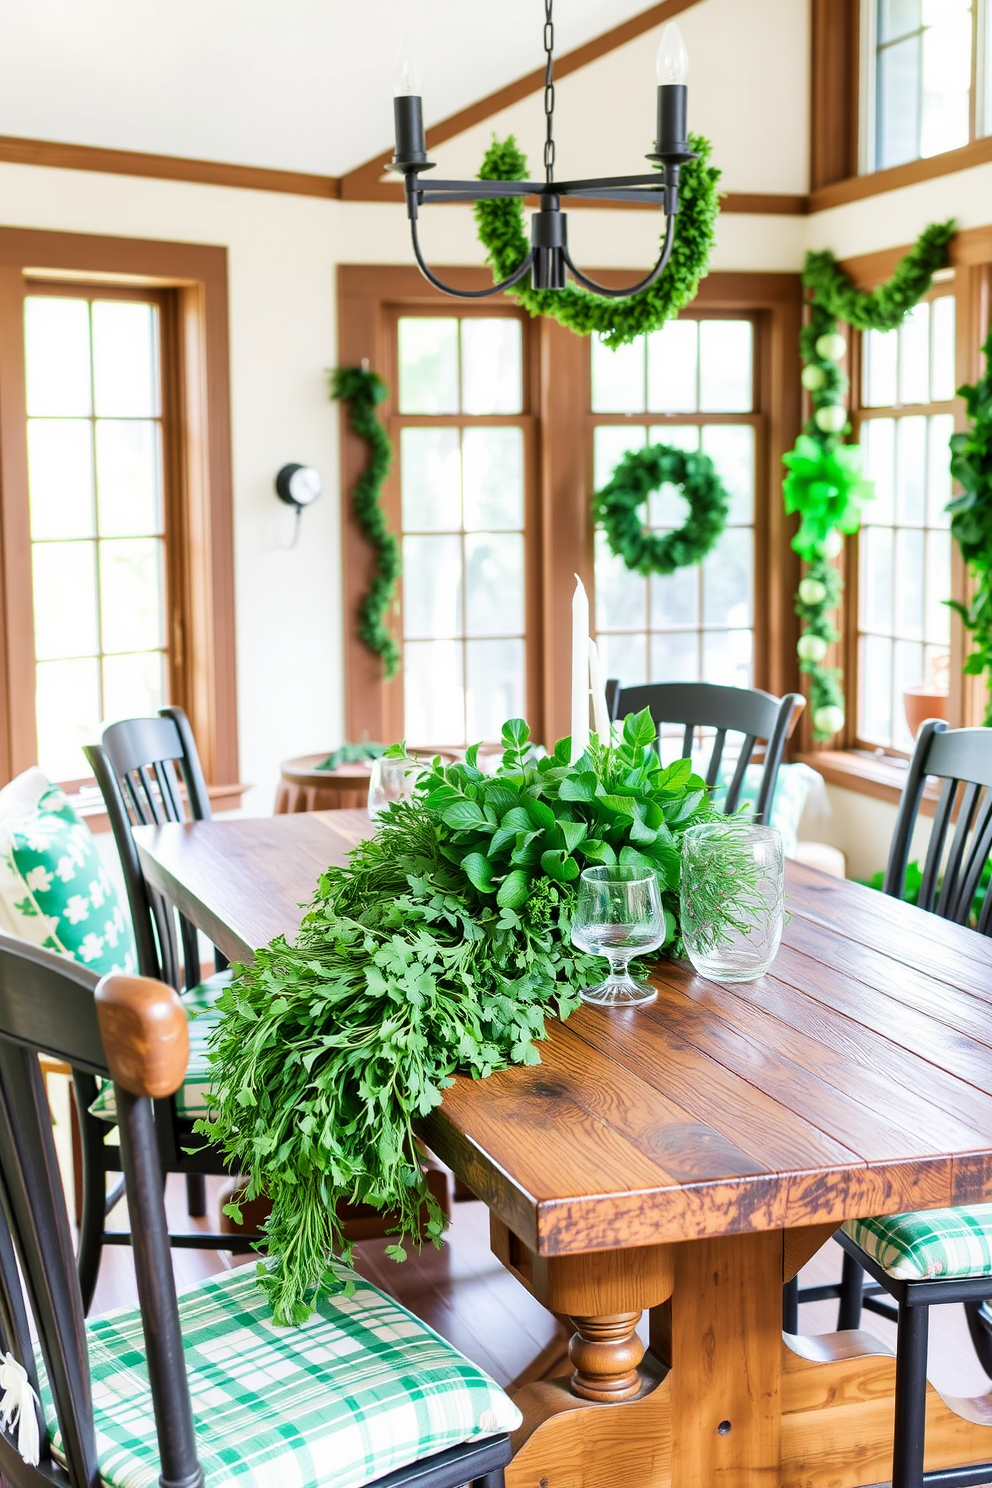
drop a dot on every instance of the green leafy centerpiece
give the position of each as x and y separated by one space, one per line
441 948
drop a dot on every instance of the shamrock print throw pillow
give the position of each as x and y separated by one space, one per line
54 890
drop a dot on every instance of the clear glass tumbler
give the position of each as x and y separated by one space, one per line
732 899
391 780
618 915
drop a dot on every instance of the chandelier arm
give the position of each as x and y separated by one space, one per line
467 294
632 289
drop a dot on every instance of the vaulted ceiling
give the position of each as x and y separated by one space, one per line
300 85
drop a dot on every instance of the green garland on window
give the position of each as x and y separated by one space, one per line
502 234
971 520
361 391
825 484
640 472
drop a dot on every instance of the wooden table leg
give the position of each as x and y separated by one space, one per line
712 1421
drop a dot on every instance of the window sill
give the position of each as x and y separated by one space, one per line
88 803
868 774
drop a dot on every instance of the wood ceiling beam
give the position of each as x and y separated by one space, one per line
17 151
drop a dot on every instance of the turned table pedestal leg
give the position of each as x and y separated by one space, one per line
606 1352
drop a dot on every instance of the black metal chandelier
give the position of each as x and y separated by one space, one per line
548 260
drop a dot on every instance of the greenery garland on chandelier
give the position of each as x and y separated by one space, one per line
501 232
971 520
636 476
825 484
362 391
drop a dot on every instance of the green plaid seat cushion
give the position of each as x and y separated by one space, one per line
361 1388
928 1243
192 1097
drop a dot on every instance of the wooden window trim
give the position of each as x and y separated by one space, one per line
835 108
195 318
558 396
835 43
841 762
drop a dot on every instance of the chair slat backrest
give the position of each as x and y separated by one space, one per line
47 1006
952 869
140 765
704 705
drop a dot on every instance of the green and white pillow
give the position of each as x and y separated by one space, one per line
54 890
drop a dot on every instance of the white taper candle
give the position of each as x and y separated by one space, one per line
580 669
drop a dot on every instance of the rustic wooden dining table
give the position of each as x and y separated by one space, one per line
687 1158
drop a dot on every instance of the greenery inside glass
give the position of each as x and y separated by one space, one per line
732 898
618 915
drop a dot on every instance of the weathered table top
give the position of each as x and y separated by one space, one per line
855 1079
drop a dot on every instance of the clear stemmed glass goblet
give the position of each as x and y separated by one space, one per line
618 915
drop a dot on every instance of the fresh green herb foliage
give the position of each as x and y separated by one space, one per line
351 754
724 880
441 948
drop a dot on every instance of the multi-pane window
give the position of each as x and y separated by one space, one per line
97 530
691 385
904 578
929 70
463 498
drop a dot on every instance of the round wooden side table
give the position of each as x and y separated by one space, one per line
305 788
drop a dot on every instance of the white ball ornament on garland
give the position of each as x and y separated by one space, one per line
813 378
812 592
831 419
828 720
811 648
833 544
831 347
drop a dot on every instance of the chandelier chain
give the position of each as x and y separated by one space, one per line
549 92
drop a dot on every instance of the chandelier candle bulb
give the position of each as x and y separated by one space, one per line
580 670
408 113
673 96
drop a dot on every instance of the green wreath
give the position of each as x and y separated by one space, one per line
502 234
639 473
361 391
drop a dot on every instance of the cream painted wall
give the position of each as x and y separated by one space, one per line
862 827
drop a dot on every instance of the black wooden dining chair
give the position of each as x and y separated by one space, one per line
747 711
186 1390
910 1257
149 772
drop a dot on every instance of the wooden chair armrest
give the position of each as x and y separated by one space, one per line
145 1034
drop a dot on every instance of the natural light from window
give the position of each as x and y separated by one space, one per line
97 534
904 543
463 504
696 624
922 78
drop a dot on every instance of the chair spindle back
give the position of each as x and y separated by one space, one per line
952 870
704 705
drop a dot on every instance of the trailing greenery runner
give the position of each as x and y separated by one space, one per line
502 234
362 391
971 519
825 484
440 948
640 472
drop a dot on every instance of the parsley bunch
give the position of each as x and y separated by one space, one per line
442 947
